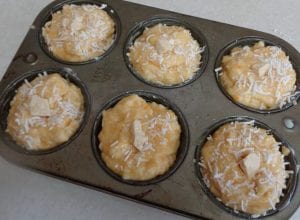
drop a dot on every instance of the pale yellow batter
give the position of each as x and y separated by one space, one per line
79 32
139 140
243 167
45 112
261 77
165 55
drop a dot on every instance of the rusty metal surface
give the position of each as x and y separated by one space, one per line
201 102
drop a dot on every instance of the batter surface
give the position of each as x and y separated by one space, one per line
79 32
45 112
139 140
261 77
165 55
243 167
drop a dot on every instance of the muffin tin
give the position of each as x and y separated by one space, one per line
200 105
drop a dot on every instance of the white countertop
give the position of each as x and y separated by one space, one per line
27 195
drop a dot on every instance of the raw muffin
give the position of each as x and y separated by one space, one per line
45 112
261 77
243 167
79 33
165 55
139 140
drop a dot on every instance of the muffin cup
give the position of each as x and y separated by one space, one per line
149 97
110 11
10 92
250 41
138 30
291 182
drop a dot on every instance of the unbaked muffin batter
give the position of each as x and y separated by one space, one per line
165 55
139 140
243 167
79 32
45 112
261 77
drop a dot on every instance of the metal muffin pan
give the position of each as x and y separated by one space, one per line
291 182
201 102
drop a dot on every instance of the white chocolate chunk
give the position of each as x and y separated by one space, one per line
39 106
285 151
261 44
250 164
140 138
263 70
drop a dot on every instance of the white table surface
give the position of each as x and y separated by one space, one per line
27 195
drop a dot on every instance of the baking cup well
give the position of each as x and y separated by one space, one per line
10 92
250 41
58 7
291 181
138 30
149 97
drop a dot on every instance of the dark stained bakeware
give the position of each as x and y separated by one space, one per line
291 182
201 103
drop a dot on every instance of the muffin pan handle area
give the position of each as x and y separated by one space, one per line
201 102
